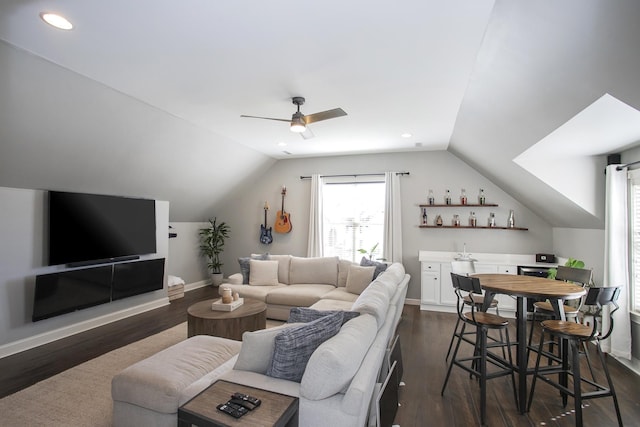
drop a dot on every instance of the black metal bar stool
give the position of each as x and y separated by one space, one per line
577 334
476 365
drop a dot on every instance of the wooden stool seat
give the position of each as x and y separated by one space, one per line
567 329
486 319
479 300
545 306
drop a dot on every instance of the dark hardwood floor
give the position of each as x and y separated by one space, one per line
424 339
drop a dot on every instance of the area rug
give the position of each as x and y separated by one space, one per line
81 396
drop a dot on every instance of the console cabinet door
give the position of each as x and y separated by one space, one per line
447 294
505 301
430 283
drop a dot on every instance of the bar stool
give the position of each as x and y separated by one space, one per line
544 310
476 365
579 333
465 268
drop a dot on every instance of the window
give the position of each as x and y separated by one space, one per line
353 218
634 190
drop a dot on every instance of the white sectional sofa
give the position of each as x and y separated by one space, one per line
338 380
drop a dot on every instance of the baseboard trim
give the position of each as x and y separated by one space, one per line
411 301
50 336
196 285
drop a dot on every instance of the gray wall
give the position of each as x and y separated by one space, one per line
22 254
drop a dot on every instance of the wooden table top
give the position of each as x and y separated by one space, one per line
203 309
529 286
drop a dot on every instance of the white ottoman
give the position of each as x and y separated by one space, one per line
149 392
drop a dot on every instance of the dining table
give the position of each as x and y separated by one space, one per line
522 287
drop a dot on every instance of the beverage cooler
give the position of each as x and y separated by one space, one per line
532 271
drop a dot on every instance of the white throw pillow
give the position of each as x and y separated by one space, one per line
257 349
359 278
263 273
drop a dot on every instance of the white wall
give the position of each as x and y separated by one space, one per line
22 257
185 260
583 244
438 170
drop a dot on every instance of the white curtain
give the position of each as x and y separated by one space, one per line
392 218
616 268
314 246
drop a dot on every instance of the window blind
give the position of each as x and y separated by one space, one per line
634 189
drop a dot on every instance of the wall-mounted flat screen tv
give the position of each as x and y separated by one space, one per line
134 278
101 228
67 291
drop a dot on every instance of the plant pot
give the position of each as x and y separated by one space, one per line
216 279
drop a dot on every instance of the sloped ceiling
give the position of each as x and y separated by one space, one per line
145 97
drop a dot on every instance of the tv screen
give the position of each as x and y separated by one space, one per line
92 227
64 292
134 278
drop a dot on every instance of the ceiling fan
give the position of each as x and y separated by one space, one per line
299 122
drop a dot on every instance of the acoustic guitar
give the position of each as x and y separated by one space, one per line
265 233
283 219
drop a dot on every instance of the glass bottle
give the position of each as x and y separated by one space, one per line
463 197
481 198
430 199
424 217
512 222
439 220
473 221
492 220
447 198
456 220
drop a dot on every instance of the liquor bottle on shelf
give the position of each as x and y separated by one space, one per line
439 220
447 198
512 222
456 220
473 221
430 199
424 217
481 199
463 197
492 220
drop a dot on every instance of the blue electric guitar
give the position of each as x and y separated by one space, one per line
265 233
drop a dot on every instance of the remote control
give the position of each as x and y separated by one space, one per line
253 400
235 411
244 403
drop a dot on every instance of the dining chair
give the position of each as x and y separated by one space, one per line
581 333
465 268
544 310
476 365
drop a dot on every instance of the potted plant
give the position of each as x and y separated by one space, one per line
211 245
571 262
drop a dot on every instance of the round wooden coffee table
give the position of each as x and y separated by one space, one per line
202 320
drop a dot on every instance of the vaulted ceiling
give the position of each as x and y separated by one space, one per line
151 86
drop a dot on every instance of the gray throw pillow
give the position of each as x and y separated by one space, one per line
306 315
244 265
294 346
380 266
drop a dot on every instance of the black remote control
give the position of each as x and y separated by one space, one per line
244 403
235 411
253 400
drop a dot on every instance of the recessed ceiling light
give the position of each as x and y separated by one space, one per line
56 20
406 135
282 144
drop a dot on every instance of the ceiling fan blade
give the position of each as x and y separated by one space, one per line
324 115
266 118
307 134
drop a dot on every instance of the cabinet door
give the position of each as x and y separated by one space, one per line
430 283
507 302
447 294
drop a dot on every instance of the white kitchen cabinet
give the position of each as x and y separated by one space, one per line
430 283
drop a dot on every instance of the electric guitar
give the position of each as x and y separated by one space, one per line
265 233
283 219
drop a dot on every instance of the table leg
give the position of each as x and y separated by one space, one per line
521 330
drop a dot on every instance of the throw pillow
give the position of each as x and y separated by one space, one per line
380 266
244 266
257 349
359 278
263 273
294 346
306 315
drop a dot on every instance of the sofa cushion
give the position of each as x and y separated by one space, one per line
306 315
298 295
254 292
334 363
157 382
294 346
257 349
374 301
332 304
340 294
380 266
263 273
245 266
390 278
284 263
359 278
343 270
323 270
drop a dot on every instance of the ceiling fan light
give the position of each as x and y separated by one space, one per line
298 125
